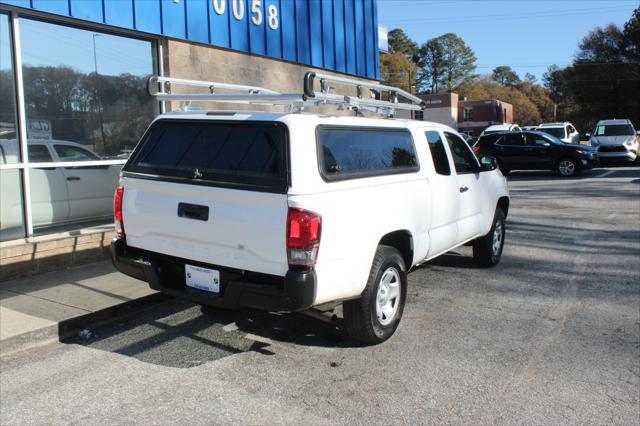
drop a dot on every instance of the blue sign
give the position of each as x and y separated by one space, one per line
338 35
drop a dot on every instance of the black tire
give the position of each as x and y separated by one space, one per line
485 254
361 320
567 167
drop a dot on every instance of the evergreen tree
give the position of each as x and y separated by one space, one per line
505 75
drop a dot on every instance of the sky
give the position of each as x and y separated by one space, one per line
528 35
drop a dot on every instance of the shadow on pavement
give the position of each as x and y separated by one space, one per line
180 334
619 171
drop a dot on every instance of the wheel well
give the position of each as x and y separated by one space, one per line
503 203
567 157
403 242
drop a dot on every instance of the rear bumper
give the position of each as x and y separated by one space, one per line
295 291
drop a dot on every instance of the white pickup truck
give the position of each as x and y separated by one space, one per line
289 211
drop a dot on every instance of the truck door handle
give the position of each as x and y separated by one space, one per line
70 178
193 211
463 189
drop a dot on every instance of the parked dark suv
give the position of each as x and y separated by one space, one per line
534 150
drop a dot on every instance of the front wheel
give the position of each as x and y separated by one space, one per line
487 250
567 167
375 316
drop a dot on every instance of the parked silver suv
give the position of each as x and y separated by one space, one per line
616 140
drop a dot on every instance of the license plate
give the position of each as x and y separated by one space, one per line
202 278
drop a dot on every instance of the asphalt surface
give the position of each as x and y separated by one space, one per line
551 335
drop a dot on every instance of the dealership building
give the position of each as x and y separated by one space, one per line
73 73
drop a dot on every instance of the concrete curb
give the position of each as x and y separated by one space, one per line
72 326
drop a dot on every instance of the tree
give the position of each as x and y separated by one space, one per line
601 45
400 42
604 78
631 38
505 75
539 96
524 110
398 71
555 83
432 66
530 78
460 61
446 63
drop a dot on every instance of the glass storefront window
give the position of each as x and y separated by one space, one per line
86 87
11 205
85 100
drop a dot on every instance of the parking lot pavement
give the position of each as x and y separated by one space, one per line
551 335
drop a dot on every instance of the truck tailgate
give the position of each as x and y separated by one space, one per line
211 191
244 229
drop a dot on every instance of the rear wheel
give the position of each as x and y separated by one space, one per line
567 167
375 316
487 250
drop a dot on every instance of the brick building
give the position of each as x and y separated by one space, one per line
467 116
475 116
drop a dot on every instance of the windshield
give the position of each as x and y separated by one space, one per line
614 130
558 132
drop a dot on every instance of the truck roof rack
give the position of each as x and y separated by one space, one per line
370 97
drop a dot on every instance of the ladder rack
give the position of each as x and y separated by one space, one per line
370 97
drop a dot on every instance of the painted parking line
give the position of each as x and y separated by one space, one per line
606 173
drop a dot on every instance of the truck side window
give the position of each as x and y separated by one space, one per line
438 153
72 153
39 154
511 139
355 152
463 158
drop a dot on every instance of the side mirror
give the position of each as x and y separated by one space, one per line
546 144
488 163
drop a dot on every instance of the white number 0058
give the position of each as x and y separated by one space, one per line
237 6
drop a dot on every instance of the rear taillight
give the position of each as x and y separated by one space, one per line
117 210
476 149
303 237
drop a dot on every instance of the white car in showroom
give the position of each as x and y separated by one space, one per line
59 195
616 140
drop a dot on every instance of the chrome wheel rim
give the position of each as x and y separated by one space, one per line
498 238
567 167
388 296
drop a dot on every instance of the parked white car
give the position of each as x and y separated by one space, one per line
501 128
563 131
616 140
289 211
58 195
